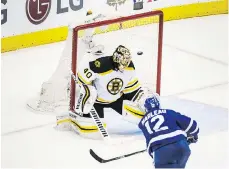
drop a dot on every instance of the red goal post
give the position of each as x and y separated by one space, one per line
113 21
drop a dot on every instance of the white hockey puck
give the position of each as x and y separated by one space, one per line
140 53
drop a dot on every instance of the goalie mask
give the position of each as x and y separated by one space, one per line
122 57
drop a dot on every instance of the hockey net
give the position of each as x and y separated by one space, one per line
141 33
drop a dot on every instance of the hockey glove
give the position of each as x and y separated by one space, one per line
192 139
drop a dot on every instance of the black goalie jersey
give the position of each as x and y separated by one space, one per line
109 82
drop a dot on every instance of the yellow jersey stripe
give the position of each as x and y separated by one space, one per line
82 79
101 102
104 101
131 89
105 73
132 82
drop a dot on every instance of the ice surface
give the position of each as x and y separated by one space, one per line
194 78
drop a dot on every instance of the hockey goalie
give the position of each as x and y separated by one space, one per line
54 95
106 82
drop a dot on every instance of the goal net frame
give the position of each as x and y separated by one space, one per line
113 21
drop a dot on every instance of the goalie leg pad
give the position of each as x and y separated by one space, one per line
131 112
86 99
85 127
63 122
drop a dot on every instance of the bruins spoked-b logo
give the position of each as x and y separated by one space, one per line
37 10
114 86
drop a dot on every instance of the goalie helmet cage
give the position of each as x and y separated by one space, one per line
112 21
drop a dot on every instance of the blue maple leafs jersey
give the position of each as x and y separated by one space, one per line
164 126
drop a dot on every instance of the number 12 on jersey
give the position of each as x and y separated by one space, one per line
157 127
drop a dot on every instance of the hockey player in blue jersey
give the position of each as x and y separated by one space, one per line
168 134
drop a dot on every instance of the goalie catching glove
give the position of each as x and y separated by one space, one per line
134 110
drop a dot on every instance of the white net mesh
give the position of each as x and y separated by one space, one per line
139 35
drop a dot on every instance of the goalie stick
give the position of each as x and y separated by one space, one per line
101 160
95 116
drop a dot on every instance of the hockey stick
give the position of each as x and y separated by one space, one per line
101 160
95 116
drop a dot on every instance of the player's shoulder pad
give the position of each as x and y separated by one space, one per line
102 64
